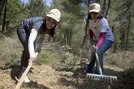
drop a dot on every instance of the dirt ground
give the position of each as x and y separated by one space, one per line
46 77
49 77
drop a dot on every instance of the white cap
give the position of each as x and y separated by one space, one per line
55 14
95 7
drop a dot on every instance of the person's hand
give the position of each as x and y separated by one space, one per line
32 60
38 50
95 49
92 41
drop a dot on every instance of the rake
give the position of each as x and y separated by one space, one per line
100 77
24 74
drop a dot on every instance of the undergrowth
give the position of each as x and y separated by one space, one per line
58 56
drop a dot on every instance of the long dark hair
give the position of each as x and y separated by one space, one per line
99 17
44 28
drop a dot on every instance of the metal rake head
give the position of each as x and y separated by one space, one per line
103 78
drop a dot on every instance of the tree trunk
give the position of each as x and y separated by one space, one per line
70 38
86 32
5 10
1 6
108 9
65 37
112 48
129 22
104 8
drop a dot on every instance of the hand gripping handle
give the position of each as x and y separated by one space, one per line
24 74
97 59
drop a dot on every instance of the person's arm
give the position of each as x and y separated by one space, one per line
31 40
103 29
91 34
101 39
40 42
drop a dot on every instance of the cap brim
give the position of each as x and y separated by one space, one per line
94 11
52 16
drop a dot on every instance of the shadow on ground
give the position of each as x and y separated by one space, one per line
32 85
125 79
78 78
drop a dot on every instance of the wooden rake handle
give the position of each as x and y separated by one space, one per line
24 74
97 59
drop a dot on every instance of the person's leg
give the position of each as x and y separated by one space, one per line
104 47
90 67
23 37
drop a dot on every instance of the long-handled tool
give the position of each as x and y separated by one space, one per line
100 77
24 74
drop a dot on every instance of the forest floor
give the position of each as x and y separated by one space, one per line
46 76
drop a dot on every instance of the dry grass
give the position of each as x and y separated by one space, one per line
120 59
62 70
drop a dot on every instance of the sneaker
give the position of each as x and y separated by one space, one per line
86 71
26 80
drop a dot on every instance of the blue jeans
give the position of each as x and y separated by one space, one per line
104 47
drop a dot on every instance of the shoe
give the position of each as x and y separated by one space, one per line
86 71
26 80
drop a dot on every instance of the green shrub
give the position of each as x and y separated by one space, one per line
1 87
112 61
43 57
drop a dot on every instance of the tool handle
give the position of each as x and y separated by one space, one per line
24 74
97 58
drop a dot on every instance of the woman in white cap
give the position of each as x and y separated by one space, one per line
28 31
99 30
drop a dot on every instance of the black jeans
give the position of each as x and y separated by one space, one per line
24 37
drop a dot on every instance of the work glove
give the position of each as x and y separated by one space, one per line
95 49
92 41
